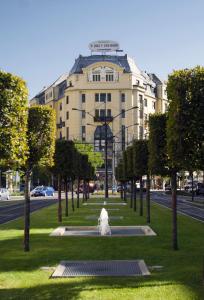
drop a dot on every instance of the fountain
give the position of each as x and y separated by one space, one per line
103 225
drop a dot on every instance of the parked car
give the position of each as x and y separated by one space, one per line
44 191
92 188
4 194
37 188
167 187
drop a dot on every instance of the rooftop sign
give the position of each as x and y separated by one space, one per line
104 46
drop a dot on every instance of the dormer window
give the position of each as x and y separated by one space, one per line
103 74
109 77
96 77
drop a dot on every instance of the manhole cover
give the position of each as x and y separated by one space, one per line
101 268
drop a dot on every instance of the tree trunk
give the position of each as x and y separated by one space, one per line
78 182
141 197
66 197
131 194
148 198
27 212
121 192
192 190
125 193
72 186
59 198
87 190
84 190
174 209
134 196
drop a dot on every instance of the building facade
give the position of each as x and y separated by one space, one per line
102 88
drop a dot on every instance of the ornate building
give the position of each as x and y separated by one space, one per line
102 88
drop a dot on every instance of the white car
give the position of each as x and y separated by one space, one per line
4 194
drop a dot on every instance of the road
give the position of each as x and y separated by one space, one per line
11 210
183 206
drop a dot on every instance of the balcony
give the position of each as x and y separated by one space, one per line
60 125
103 118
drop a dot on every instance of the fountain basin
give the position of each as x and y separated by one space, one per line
92 231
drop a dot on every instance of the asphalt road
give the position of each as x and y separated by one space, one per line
10 210
183 206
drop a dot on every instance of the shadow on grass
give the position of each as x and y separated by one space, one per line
71 288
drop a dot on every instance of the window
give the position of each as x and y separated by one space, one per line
122 97
109 77
83 131
141 113
60 135
83 98
67 133
96 112
141 131
67 115
83 114
109 112
96 77
67 99
102 112
109 97
103 97
140 99
60 120
145 102
153 105
123 113
61 106
96 97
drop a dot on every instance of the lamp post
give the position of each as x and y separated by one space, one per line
105 124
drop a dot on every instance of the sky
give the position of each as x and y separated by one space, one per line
40 39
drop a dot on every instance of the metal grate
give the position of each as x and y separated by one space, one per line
101 268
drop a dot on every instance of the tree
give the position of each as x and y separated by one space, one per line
185 127
13 120
140 163
41 143
157 161
64 163
120 176
130 172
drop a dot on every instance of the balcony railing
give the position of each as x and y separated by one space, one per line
103 119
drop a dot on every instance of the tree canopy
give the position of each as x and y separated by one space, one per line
157 163
13 120
185 124
95 158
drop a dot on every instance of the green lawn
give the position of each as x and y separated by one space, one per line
180 278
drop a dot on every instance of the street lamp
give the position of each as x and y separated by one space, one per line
105 124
